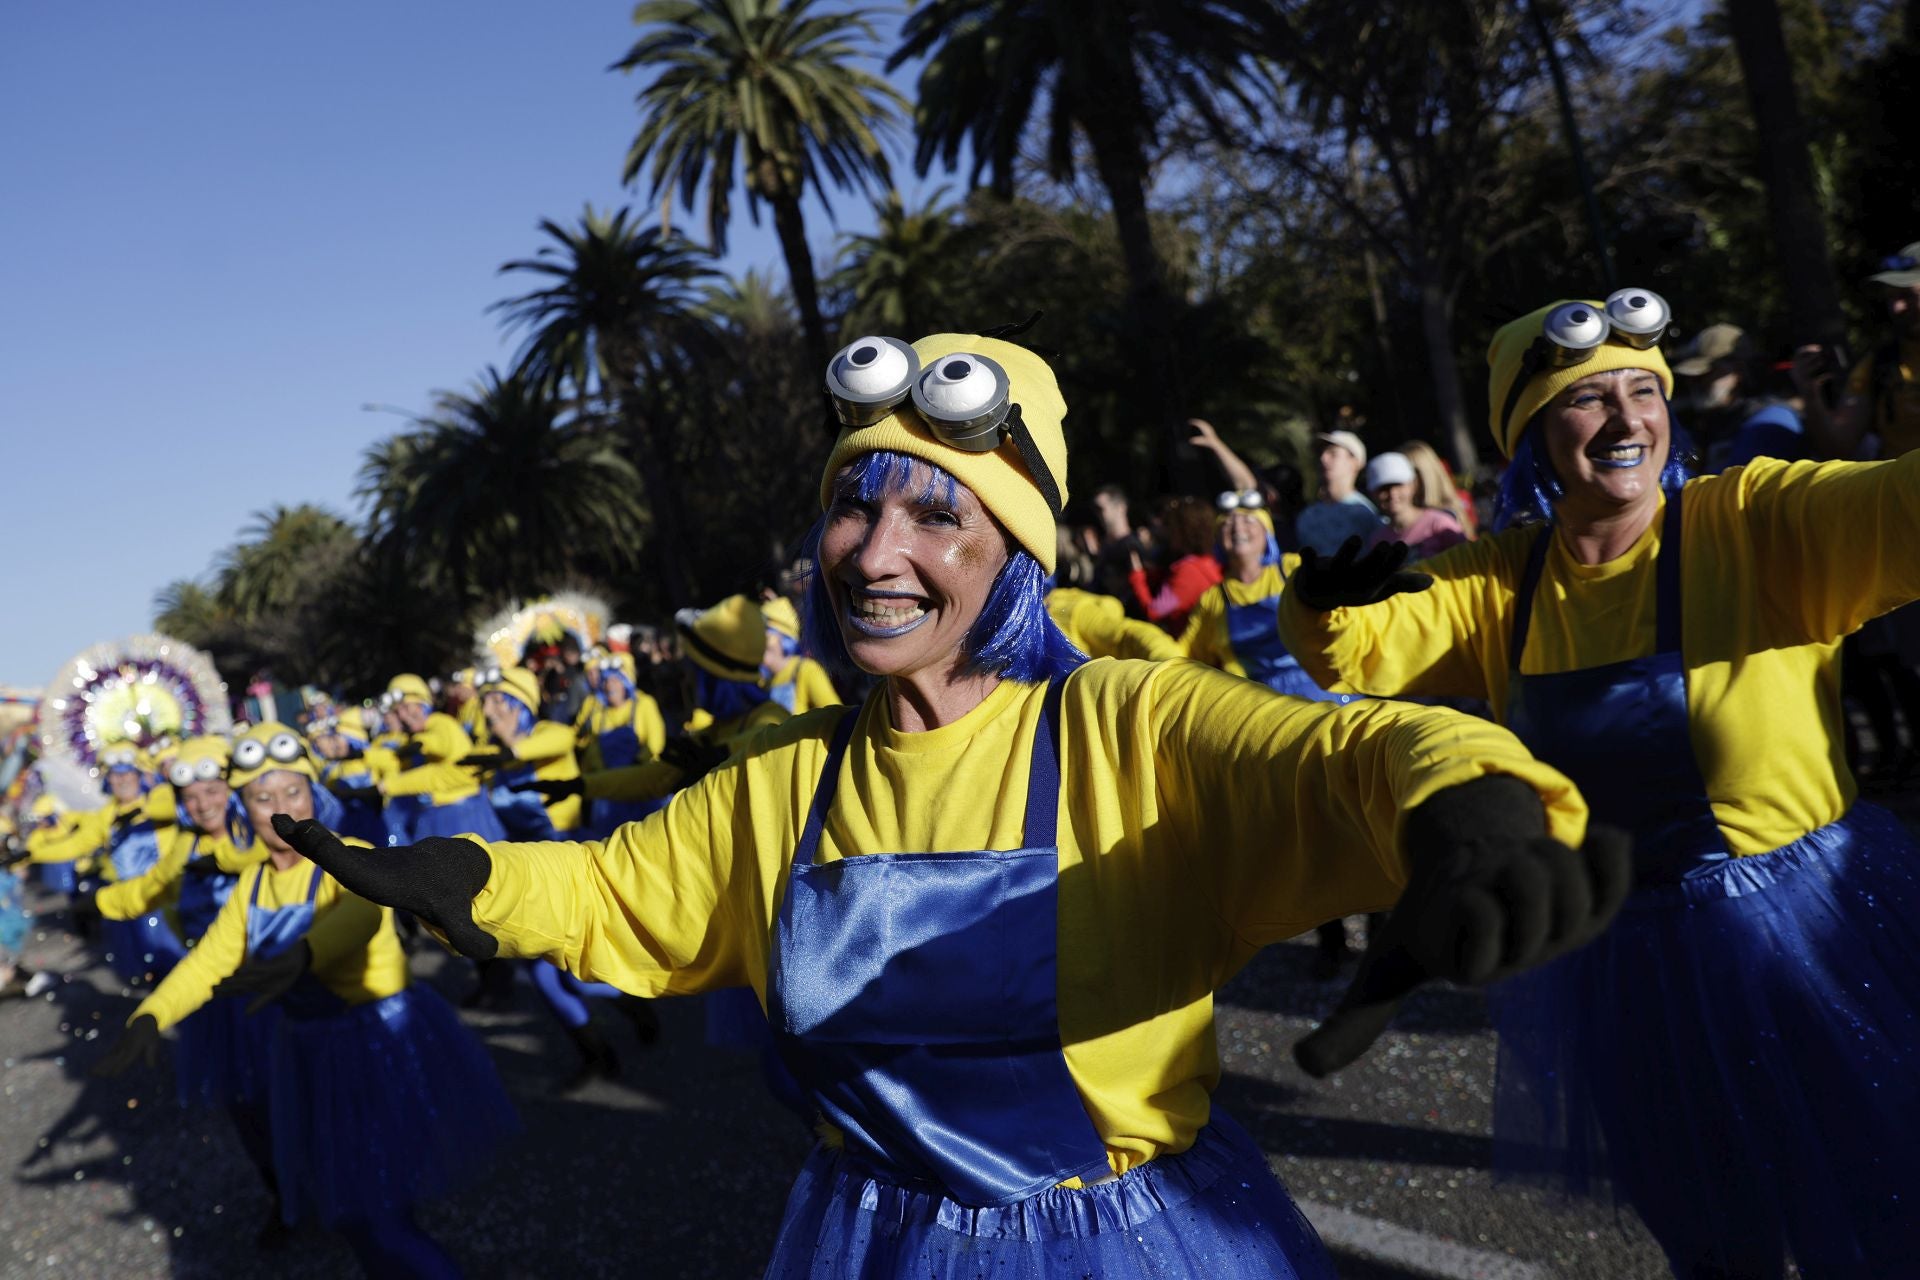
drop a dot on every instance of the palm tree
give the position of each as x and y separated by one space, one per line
899 278
619 324
499 493
189 610
1108 72
268 569
776 86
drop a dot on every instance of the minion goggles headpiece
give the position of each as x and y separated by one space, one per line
1573 331
965 400
282 748
120 757
1239 500
184 773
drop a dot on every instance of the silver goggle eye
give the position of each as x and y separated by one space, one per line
964 399
181 774
1575 330
285 748
1239 499
248 753
870 377
117 759
1639 316
207 770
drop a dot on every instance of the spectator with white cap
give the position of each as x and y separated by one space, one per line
1342 511
1395 487
1721 382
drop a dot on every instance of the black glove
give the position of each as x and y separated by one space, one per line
205 865
1489 893
1349 578
552 788
268 979
435 878
488 759
140 1043
693 757
13 852
83 910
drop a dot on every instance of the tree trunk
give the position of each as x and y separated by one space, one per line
1793 205
1436 323
1123 172
1377 299
792 229
668 538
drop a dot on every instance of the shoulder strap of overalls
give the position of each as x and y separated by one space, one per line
1666 586
823 790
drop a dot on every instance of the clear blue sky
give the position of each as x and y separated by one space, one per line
224 227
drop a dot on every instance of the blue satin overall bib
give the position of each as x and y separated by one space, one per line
913 995
202 893
146 946
271 930
1710 1055
1253 630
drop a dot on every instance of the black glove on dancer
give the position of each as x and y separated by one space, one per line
552 789
266 980
140 1043
83 911
436 878
693 758
1489 894
1348 578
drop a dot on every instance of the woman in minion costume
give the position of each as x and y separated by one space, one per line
987 909
145 946
1740 1055
531 748
621 727
1233 627
352 768
794 680
379 1096
435 795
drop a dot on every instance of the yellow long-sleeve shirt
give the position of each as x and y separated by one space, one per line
1099 627
652 779
1205 639
75 836
812 686
640 713
356 953
549 748
440 744
157 889
1201 817
1779 561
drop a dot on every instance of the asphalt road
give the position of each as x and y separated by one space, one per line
680 1170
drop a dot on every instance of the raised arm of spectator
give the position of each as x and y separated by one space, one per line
1239 474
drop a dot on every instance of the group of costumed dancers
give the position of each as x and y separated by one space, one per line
975 920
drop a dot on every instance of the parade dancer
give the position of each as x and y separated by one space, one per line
988 908
622 726
379 1097
1739 1056
795 681
431 793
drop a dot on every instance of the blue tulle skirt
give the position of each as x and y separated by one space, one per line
472 816
222 1053
142 949
381 1106
1214 1210
1739 1058
59 877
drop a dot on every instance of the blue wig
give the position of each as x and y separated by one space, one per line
725 699
1014 636
1529 488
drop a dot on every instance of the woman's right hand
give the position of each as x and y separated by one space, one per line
140 1042
436 879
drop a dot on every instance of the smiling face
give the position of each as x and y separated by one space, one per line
1608 437
1244 539
908 572
124 786
205 802
1395 500
277 791
412 715
503 716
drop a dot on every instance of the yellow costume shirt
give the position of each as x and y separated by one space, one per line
440 744
1099 627
655 778
640 712
1205 639
549 747
1201 817
812 686
356 953
1780 560
157 889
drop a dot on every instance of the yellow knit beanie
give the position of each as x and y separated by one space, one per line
517 683
727 640
781 616
1000 478
268 746
1509 348
410 688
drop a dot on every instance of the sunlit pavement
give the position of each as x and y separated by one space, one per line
681 1170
